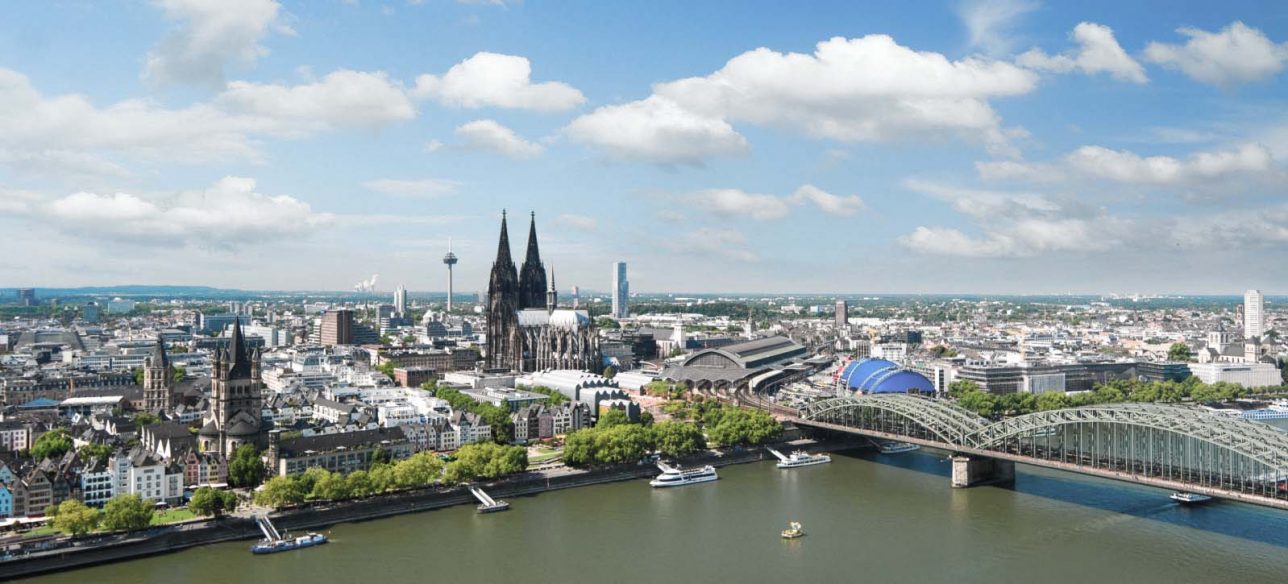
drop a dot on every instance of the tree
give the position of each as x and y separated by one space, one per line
179 373
676 439
962 387
387 367
282 491
607 323
1179 352
330 486
1052 400
421 469
99 452
486 460
208 501
73 517
245 468
612 418
142 419
127 512
51 445
610 372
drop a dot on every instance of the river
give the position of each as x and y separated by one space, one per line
869 518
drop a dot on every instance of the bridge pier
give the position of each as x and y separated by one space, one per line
971 471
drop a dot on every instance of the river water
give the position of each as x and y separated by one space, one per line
869 518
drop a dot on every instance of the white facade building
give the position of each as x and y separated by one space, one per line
1254 315
1245 374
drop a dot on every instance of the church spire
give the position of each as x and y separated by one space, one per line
532 276
238 357
552 295
503 246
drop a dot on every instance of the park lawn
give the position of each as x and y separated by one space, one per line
172 516
544 454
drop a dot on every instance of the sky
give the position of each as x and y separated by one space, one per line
974 146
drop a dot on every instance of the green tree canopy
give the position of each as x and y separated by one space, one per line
612 417
127 512
1179 352
245 468
281 491
73 517
208 501
51 445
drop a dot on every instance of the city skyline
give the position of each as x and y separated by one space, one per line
966 147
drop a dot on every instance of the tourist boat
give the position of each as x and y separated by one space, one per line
892 447
1190 498
800 458
294 543
274 541
793 531
676 477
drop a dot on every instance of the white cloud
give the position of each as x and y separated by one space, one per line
69 133
427 188
342 98
1015 225
212 34
989 22
491 79
578 222
1237 54
657 130
491 136
226 213
1128 167
734 202
853 90
762 207
1123 166
1098 52
724 243
827 202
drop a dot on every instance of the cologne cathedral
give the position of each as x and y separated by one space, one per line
526 329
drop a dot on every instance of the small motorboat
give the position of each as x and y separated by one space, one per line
793 531
1190 498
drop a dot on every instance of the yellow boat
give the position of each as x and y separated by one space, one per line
793 531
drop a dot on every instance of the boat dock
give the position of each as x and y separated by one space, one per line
780 455
267 528
487 503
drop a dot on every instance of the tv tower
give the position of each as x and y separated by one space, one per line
450 260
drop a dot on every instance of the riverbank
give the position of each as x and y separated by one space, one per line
93 551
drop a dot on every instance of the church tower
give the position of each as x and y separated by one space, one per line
235 416
532 278
158 380
503 343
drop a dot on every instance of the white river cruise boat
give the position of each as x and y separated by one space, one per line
799 458
677 477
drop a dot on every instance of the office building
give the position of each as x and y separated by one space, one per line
337 327
621 290
26 296
1254 317
842 314
400 300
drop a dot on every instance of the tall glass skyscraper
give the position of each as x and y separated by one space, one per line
621 290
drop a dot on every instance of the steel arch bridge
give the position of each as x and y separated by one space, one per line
1168 446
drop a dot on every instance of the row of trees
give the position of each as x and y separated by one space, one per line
472 462
556 397
122 512
727 425
317 483
624 443
665 389
1192 389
